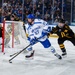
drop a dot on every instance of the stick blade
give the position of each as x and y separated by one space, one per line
10 61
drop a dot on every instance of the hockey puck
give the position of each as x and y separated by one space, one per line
4 53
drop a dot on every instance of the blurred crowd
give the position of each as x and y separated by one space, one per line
45 9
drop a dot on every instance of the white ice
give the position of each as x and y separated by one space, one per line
44 62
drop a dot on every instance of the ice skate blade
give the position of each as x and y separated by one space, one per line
64 56
31 58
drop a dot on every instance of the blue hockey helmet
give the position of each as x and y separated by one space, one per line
31 16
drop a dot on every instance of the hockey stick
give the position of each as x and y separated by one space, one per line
18 53
14 54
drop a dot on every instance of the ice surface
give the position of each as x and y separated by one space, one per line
44 62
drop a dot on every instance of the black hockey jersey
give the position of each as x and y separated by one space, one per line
66 31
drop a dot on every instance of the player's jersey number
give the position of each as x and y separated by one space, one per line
63 34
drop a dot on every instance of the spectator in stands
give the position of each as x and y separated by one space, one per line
47 15
38 14
32 6
8 14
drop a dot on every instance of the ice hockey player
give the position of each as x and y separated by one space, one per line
64 33
14 17
37 31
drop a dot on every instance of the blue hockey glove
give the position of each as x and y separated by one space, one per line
28 38
33 41
46 31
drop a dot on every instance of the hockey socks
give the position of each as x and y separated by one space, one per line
54 52
64 52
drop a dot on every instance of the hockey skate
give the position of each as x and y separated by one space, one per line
58 56
30 55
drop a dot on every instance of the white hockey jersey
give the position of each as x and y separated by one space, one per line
36 29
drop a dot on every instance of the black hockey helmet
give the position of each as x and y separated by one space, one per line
61 23
61 20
